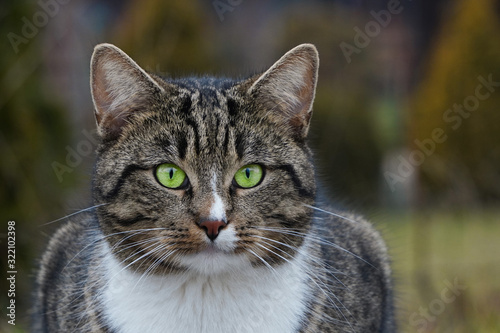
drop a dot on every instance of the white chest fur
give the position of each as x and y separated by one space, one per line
248 300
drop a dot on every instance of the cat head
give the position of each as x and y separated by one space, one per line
203 174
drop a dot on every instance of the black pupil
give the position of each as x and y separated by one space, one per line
247 172
171 173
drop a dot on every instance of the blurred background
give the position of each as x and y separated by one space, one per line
406 125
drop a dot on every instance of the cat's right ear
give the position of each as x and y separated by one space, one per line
119 88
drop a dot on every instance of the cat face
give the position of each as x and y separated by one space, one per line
199 173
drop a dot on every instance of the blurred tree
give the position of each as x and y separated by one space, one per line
455 96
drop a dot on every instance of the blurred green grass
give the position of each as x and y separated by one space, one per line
432 250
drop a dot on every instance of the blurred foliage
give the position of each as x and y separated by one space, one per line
166 37
32 131
343 134
465 167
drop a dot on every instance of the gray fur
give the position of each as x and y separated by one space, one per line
211 126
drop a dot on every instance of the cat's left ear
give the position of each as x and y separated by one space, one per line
287 89
119 88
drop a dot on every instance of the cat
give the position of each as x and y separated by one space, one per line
205 215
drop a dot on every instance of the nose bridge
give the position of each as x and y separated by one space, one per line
212 212
217 209
210 202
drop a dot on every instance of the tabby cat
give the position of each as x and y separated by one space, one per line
205 216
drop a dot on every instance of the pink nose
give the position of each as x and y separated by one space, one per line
212 227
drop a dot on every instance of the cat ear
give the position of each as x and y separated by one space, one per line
119 88
287 89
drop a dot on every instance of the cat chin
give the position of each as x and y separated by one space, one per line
216 257
215 262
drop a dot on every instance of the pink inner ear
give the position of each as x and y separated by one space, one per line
101 96
301 115
110 121
114 76
119 89
290 84
105 67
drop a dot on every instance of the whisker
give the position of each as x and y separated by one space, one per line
314 238
134 232
304 266
330 213
155 264
308 271
135 244
329 269
263 260
110 279
73 214
81 291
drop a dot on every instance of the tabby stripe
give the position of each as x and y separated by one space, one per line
186 110
125 222
232 107
190 122
225 144
284 220
182 146
186 106
129 170
240 145
288 168
294 224
217 129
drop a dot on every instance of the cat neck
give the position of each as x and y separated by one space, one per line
255 299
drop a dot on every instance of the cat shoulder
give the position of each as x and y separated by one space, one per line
354 232
65 242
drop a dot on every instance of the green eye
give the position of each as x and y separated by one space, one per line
249 176
170 175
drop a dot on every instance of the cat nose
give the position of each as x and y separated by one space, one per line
212 227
